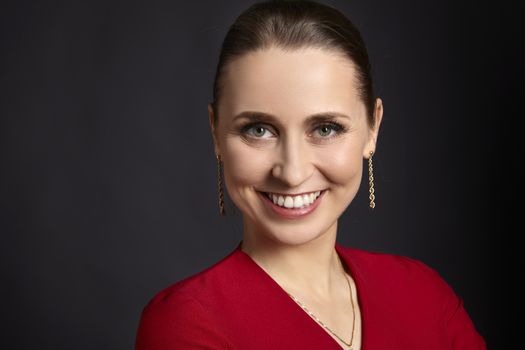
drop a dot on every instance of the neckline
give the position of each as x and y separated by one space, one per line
351 268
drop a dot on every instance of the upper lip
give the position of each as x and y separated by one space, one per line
292 194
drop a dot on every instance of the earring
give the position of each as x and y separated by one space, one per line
219 184
371 181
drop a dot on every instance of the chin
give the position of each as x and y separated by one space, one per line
293 233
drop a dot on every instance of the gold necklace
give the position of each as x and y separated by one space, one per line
325 326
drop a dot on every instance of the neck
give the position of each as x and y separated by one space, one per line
312 267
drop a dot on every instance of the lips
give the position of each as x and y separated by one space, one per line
292 212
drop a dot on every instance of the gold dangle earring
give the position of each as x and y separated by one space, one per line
219 183
371 181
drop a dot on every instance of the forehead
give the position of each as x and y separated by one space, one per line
297 82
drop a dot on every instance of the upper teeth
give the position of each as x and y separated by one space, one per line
294 201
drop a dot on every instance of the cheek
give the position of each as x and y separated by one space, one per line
244 165
343 165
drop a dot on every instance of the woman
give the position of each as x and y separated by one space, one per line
292 119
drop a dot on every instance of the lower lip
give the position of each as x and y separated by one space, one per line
291 213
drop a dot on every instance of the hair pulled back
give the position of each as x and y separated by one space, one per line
292 25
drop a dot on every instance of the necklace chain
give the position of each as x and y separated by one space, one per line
325 326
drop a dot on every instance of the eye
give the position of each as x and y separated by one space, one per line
257 131
328 130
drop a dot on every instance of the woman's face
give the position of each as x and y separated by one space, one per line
292 128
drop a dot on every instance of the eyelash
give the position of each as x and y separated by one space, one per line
336 127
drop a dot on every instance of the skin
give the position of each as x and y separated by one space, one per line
289 153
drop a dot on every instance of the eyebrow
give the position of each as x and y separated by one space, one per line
267 117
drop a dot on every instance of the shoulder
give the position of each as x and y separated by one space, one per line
199 285
175 316
177 322
403 281
393 268
409 287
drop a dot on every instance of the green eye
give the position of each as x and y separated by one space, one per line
325 130
258 131
329 130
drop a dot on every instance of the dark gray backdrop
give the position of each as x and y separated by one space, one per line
108 178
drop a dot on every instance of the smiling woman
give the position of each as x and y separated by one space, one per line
285 129
293 118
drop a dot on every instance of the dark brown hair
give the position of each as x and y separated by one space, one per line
295 24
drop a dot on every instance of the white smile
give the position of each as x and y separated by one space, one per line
303 200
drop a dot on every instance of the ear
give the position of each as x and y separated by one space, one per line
373 132
212 120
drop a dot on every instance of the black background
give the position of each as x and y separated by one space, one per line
108 178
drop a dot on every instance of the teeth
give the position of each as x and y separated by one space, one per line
294 201
298 202
306 200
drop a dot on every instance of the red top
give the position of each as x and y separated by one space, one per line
235 304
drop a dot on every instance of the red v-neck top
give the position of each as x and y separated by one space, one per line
235 304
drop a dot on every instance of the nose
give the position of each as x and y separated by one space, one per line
292 166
